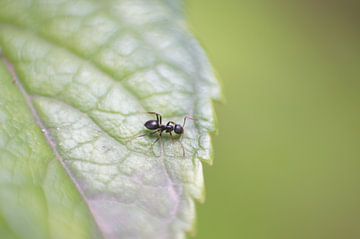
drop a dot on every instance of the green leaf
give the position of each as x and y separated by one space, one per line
37 199
83 75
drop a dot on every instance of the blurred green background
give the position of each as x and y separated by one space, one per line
287 157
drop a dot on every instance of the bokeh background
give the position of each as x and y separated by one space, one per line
287 157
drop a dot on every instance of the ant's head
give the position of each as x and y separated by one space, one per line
178 129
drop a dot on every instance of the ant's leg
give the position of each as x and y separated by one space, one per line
187 117
158 138
152 145
162 150
158 116
170 122
156 131
152 133
172 138
152 113
182 146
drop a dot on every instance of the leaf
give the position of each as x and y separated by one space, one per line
88 70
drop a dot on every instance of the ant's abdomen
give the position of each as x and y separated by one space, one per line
152 124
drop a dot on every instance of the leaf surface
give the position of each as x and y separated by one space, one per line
88 71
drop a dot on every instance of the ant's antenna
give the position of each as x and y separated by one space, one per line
188 117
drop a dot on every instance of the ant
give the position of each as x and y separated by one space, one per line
158 127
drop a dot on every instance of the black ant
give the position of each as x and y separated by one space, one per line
158 127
